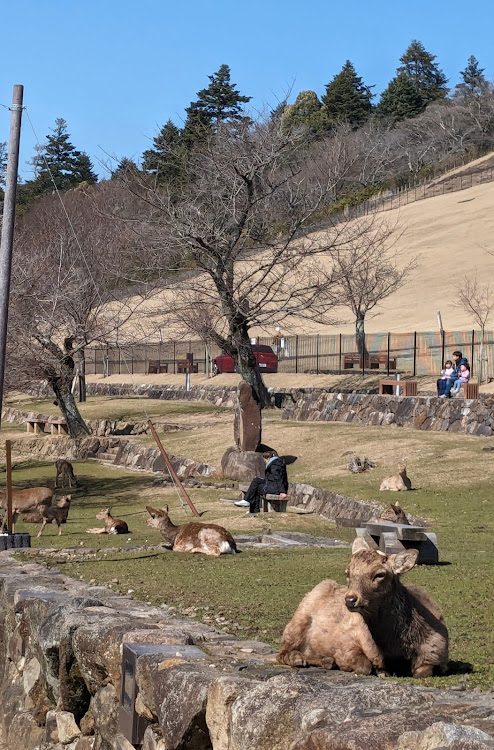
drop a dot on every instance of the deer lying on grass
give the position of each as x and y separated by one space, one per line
112 525
394 513
404 624
66 471
397 482
208 538
324 633
25 500
57 514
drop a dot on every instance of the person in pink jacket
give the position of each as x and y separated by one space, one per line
464 378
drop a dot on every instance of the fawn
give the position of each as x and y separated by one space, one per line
112 525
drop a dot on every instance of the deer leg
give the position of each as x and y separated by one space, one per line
425 670
42 527
291 658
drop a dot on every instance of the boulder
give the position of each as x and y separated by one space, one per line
242 465
104 707
248 420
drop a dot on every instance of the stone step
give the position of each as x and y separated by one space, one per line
107 456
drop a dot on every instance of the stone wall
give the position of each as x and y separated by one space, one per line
202 689
116 452
469 416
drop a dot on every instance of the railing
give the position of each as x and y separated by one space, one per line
416 352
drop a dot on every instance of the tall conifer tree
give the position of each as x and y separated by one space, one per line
474 81
347 98
420 66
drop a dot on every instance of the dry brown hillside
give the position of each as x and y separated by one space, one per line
454 235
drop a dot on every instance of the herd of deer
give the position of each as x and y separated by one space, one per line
374 623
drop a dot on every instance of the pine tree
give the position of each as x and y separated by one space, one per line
60 164
400 99
347 98
219 102
426 75
163 160
474 82
306 113
124 168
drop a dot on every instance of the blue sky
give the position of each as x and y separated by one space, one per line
116 71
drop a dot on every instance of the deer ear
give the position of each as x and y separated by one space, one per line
403 561
359 544
152 511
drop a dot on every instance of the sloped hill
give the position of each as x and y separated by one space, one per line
453 235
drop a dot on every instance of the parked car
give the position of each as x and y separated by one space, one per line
266 359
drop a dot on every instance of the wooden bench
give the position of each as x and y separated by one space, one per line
273 503
35 425
155 367
392 538
470 390
58 426
388 385
184 365
374 362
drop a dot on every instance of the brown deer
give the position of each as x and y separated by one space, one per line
57 514
397 482
65 470
112 525
208 538
324 633
393 514
404 624
25 500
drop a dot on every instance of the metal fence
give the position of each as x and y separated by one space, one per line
416 353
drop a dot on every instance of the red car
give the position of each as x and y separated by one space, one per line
266 359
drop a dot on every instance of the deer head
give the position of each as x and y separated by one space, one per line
373 576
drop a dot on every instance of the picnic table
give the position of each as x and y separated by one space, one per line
270 502
392 538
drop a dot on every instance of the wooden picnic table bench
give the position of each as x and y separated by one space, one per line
270 502
470 390
36 425
185 365
392 538
388 385
155 367
373 362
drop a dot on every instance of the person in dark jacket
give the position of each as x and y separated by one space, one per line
275 482
458 360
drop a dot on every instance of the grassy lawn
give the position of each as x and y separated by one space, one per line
120 408
256 592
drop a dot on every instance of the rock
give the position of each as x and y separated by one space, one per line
248 421
24 732
152 740
121 743
443 735
67 727
85 743
104 707
221 696
242 465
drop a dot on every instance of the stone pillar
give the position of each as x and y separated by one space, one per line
248 422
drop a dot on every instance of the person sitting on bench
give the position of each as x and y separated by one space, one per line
275 482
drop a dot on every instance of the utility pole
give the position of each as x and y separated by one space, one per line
8 224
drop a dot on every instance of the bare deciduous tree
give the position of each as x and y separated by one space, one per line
367 270
70 287
477 300
242 228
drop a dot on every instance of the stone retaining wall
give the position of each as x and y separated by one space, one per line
127 455
60 683
469 416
